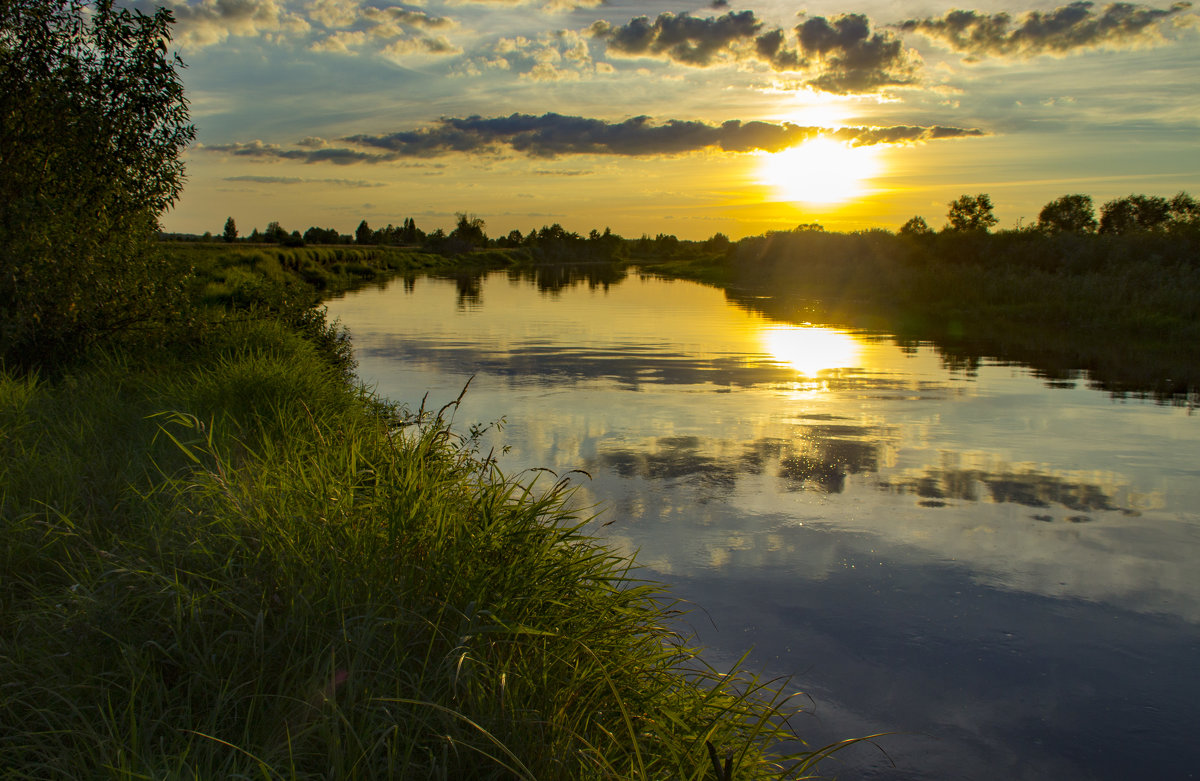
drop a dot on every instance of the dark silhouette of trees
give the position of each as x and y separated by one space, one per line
274 233
1068 214
92 123
916 226
230 233
363 234
470 230
971 213
513 239
410 233
315 235
1184 213
1135 214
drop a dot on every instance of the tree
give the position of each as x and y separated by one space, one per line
1184 212
363 234
1135 214
470 230
1068 214
92 123
916 226
971 213
410 233
230 230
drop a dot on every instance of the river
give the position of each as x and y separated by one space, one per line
1001 570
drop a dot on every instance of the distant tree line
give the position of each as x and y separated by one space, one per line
548 243
1076 214
967 216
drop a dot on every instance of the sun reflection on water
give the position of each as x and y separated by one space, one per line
811 350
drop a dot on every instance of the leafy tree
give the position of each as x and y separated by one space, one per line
916 226
275 233
92 123
315 235
719 242
1184 212
363 234
1135 214
971 213
1068 214
230 230
410 233
470 230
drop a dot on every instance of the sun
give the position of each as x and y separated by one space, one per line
811 350
820 171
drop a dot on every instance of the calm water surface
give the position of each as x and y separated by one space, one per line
1006 573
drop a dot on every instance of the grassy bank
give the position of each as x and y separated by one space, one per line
223 560
225 274
1124 310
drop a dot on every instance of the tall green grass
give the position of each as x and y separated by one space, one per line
236 566
237 275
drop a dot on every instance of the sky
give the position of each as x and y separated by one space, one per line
660 116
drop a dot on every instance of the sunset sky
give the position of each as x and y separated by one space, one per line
673 117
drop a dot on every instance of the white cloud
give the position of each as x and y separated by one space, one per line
213 21
341 42
334 13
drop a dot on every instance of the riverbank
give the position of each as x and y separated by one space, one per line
1121 313
223 558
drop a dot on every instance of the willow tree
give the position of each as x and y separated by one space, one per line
93 119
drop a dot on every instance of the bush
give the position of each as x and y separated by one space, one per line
94 119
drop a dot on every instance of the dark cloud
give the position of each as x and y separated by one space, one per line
771 47
554 135
550 135
682 38
850 57
275 151
842 53
1073 26
301 180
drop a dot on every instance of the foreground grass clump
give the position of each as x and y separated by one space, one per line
234 566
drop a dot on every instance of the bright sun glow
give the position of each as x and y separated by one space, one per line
820 171
811 350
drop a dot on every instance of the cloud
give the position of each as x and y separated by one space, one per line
555 135
559 56
563 6
301 180
332 26
401 50
682 38
851 58
334 13
841 54
1065 29
388 22
340 42
257 148
213 21
549 6
396 34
